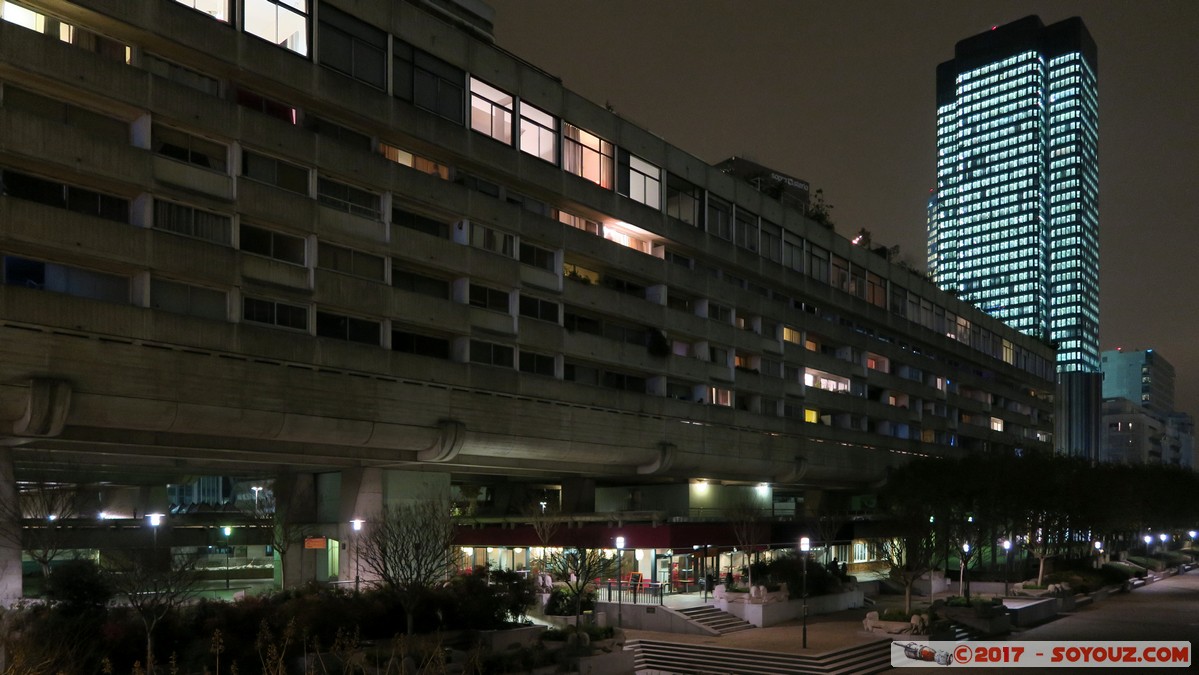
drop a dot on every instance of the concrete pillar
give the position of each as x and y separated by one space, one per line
578 495
295 508
10 534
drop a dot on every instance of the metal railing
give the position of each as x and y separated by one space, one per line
639 593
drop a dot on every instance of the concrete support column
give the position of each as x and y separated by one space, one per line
361 499
578 495
295 513
10 534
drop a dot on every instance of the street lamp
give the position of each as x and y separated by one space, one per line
962 577
1007 564
356 524
1164 537
256 489
1098 554
1148 540
805 547
619 581
155 521
228 553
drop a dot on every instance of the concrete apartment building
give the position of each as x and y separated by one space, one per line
360 251
1140 425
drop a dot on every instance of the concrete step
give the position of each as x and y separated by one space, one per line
710 617
666 657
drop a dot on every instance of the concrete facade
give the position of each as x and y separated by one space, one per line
226 256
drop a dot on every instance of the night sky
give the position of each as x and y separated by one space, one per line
841 94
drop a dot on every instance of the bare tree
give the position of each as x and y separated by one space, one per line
409 547
746 519
910 556
155 583
43 510
578 566
546 521
829 520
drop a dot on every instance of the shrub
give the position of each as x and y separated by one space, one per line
562 602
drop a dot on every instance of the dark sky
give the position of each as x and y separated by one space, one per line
841 94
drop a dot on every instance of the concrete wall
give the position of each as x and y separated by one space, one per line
650 617
774 613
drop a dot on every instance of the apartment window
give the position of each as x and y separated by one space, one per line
536 256
717 312
491 111
275 172
622 381
94 123
811 416
348 328
718 356
267 106
683 200
428 82
352 46
746 232
181 298
537 364
413 282
489 298
193 222
81 283
275 313
581 223
639 180
73 35
491 354
348 261
272 244
536 308
720 396
583 324
281 22
217 9
720 217
62 196
419 344
586 155
538 133
816 262
493 240
181 75
680 391
422 164
772 241
580 374
187 148
678 259
792 335
414 221
347 198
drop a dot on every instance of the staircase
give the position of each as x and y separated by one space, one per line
710 617
661 658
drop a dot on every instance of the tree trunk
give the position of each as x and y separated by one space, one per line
907 596
1040 570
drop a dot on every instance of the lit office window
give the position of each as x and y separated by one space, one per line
282 22
491 111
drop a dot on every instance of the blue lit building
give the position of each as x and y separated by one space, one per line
1014 221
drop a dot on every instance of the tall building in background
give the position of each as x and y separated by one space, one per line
1140 424
1015 227
1140 375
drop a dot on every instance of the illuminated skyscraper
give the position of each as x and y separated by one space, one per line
1015 226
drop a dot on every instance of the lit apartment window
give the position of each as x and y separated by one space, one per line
185 147
792 335
349 328
349 261
811 416
193 222
581 223
428 82
347 198
586 155
493 240
274 172
180 298
996 424
81 283
639 180
275 313
491 111
217 9
720 396
422 164
272 244
282 22
73 35
538 133
352 46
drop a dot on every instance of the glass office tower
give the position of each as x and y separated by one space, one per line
1014 220
1015 228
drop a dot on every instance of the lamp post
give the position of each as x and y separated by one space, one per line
155 521
962 576
1164 537
1007 565
256 489
1098 554
228 553
805 547
1148 539
619 581
356 525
